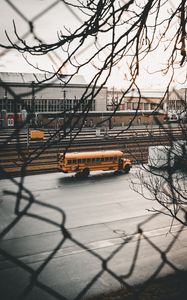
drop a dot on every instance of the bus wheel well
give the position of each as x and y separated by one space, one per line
126 169
85 172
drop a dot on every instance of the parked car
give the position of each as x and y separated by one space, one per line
173 117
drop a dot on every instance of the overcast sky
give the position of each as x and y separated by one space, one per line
47 22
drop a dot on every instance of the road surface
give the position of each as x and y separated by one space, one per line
74 238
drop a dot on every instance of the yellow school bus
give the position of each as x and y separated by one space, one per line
83 162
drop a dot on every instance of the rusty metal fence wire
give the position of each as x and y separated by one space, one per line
22 202
31 27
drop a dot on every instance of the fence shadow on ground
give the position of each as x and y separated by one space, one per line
15 268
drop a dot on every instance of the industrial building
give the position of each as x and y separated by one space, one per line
23 93
28 94
146 100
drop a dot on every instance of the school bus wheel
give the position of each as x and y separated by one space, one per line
126 169
85 172
78 175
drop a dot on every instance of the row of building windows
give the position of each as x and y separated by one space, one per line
175 105
55 105
45 105
134 106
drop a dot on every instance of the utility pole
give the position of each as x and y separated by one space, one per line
64 93
32 103
33 96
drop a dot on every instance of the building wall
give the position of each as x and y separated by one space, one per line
105 120
176 101
149 100
23 88
101 100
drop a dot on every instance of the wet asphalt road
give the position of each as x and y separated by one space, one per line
73 238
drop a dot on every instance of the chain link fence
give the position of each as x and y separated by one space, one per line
31 280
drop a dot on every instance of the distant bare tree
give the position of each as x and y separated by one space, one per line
165 180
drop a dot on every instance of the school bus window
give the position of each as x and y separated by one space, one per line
69 162
102 159
79 161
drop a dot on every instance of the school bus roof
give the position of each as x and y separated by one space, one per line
91 154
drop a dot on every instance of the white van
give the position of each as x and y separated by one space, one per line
160 157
